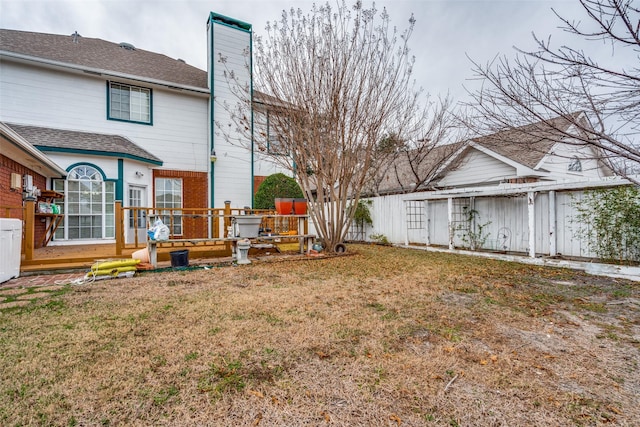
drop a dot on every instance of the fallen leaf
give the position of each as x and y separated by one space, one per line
256 393
483 362
614 409
257 420
494 358
394 417
326 416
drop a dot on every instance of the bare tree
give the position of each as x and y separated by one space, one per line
408 166
338 80
599 98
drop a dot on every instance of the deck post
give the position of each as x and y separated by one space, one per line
215 232
227 223
29 228
119 227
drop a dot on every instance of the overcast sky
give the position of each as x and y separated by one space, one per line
446 30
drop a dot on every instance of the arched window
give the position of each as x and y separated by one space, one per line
85 172
88 204
575 165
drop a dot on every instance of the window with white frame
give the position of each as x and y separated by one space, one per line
88 205
168 196
129 103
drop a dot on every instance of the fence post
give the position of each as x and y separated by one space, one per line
450 222
531 198
553 248
119 227
29 228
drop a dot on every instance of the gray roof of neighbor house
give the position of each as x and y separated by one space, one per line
100 55
527 144
48 139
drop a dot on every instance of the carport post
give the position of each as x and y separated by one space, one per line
531 197
450 221
553 248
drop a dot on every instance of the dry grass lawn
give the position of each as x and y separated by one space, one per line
384 336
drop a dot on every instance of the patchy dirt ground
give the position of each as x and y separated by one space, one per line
384 336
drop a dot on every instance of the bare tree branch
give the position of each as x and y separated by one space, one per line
338 80
540 85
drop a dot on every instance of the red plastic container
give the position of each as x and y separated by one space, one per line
300 206
284 206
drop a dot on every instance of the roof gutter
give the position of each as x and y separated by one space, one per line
101 72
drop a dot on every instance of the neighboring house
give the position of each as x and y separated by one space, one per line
526 154
131 125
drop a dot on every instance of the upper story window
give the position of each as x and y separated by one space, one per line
274 143
129 103
575 165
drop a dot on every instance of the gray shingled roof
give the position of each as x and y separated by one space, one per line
48 139
527 144
102 55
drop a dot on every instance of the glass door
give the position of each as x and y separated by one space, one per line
137 218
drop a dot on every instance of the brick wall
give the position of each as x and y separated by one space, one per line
195 187
257 180
13 198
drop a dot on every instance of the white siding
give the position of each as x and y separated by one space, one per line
233 168
51 98
563 154
477 168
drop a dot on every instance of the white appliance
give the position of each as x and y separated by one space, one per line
10 248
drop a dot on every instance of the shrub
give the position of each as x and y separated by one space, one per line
276 185
609 219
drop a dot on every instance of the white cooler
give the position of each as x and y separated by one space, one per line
10 242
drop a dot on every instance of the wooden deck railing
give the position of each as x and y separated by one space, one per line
194 223
191 223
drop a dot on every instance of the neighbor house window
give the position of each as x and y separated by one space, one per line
275 145
129 103
575 165
168 195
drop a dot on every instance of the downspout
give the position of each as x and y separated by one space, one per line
251 109
211 117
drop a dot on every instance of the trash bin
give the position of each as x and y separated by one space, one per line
179 258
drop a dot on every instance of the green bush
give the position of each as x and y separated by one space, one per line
275 186
609 219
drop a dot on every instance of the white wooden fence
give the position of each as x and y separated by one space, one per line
535 219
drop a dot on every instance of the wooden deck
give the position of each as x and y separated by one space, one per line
68 257
78 257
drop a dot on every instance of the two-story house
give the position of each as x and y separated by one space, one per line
131 125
